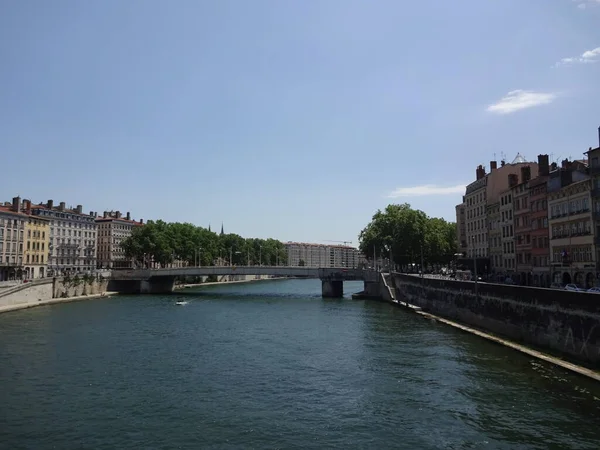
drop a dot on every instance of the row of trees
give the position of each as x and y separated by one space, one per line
161 243
406 234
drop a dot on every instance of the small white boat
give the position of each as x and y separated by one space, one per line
181 303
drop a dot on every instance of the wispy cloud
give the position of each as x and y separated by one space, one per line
427 189
589 56
583 4
517 100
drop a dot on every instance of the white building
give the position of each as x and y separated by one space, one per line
320 255
113 228
72 238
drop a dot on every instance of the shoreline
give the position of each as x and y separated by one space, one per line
54 301
572 367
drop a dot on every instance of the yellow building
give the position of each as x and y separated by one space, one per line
37 240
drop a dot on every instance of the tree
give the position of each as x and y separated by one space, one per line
407 233
159 243
301 263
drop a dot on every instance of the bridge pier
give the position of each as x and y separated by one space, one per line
332 288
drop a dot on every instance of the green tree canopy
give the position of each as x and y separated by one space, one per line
162 243
407 232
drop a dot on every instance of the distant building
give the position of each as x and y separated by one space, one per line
113 228
320 255
484 191
572 244
508 231
36 244
12 227
540 237
495 237
72 237
461 231
522 227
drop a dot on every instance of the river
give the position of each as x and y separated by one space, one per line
272 365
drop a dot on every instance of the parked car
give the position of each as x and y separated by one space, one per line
573 287
556 286
594 290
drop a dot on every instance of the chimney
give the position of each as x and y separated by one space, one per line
564 164
50 204
105 214
118 215
27 206
141 221
79 209
553 167
128 216
16 204
543 165
525 174
479 172
502 163
92 213
61 206
598 137
513 179
493 165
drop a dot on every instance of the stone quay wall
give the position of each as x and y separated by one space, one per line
563 322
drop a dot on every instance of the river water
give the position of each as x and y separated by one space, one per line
272 365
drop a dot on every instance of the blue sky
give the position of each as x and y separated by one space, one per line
288 119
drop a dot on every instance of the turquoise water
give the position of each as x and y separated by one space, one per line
273 365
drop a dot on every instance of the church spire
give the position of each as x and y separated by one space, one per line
209 227
222 233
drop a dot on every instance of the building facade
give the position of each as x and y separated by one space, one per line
522 228
594 170
540 236
572 243
476 224
36 244
112 229
319 255
461 232
508 232
495 237
72 238
12 232
487 190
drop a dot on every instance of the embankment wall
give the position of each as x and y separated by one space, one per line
564 322
51 288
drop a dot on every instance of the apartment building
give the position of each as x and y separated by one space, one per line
572 243
495 237
487 190
320 255
461 231
475 202
12 233
36 244
507 226
72 237
112 229
540 237
594 170
522 228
